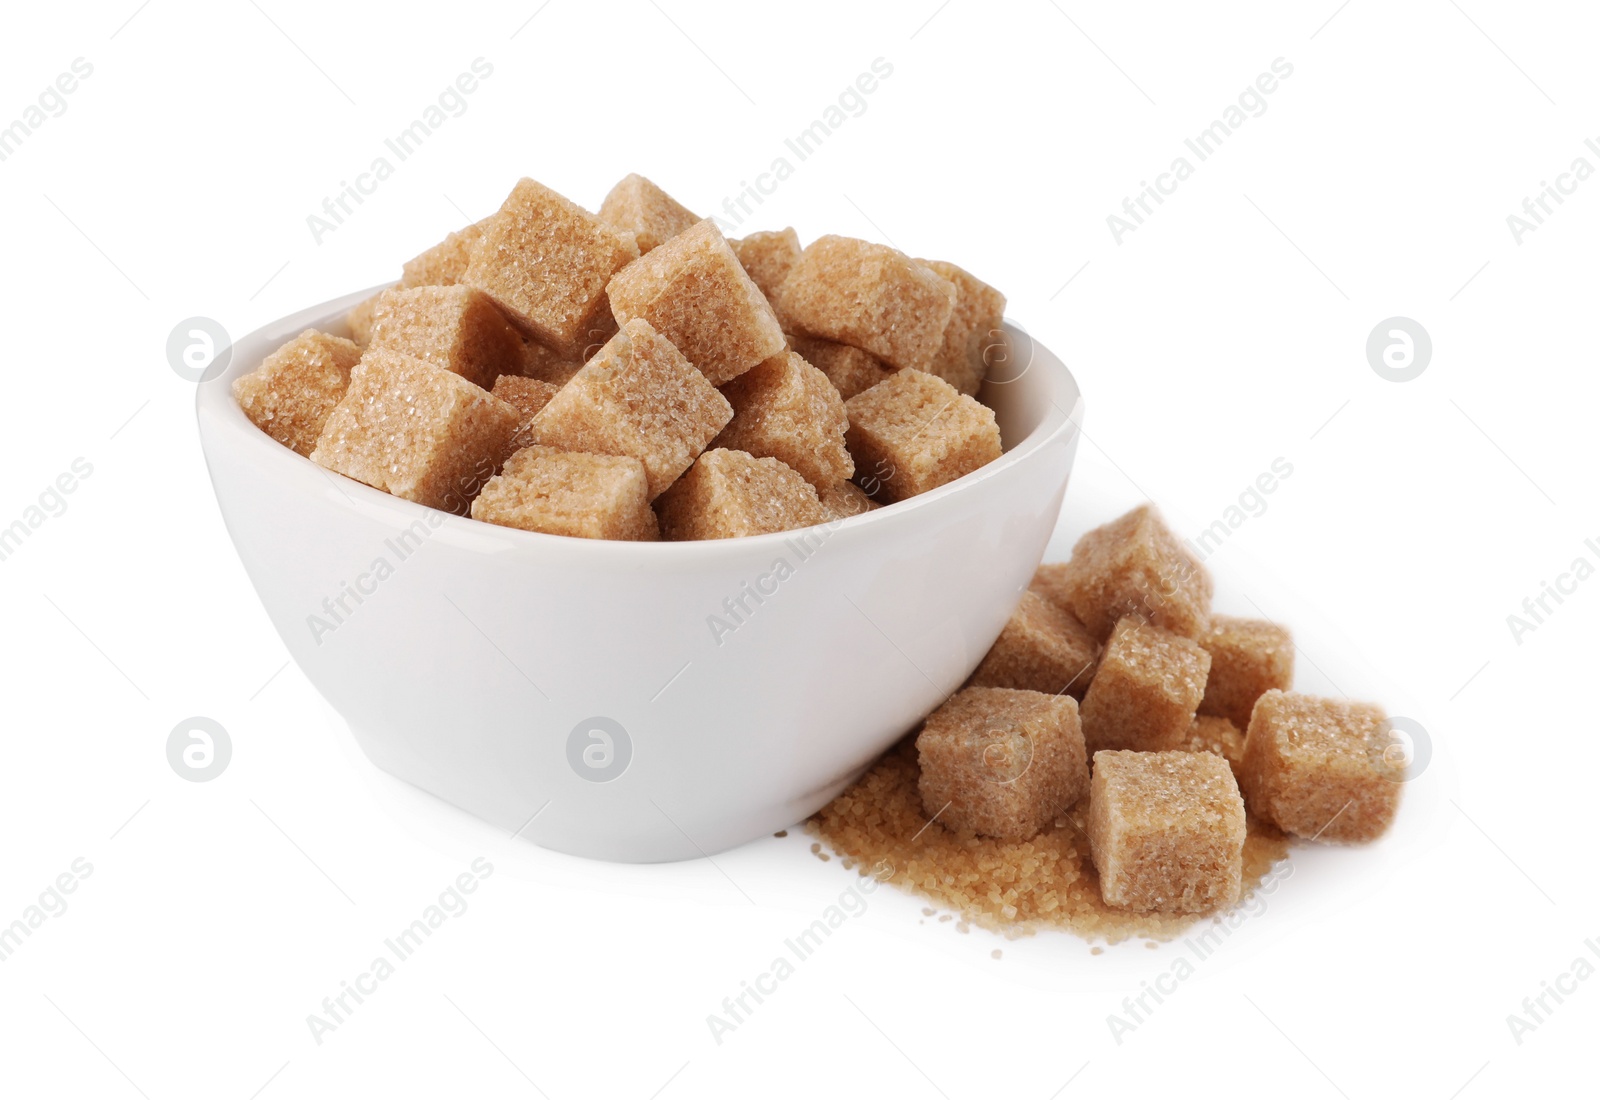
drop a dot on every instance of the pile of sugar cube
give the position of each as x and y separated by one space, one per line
1186 720
634 375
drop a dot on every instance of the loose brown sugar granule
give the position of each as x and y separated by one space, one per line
995 954
781 833
1049 880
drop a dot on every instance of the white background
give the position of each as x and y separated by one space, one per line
1227 331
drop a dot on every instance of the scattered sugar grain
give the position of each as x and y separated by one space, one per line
1050 879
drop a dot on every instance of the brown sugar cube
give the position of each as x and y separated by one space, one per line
545 365
768 257
844 499
290 395
1208 733
1146 690
729 494
870 297
851 370
417 431
1249 657
694 292
528 396
1319 768
638 397
1135 566
784 408
545 260
914 432
1050 581
1166 831
1000 762
974 324
561 493
454 327
638 206
1042 648
445 262
359 320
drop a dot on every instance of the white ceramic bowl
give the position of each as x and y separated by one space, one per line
578 691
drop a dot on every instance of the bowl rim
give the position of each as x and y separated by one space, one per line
215 407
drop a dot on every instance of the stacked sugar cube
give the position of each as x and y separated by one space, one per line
633 375
1184 717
